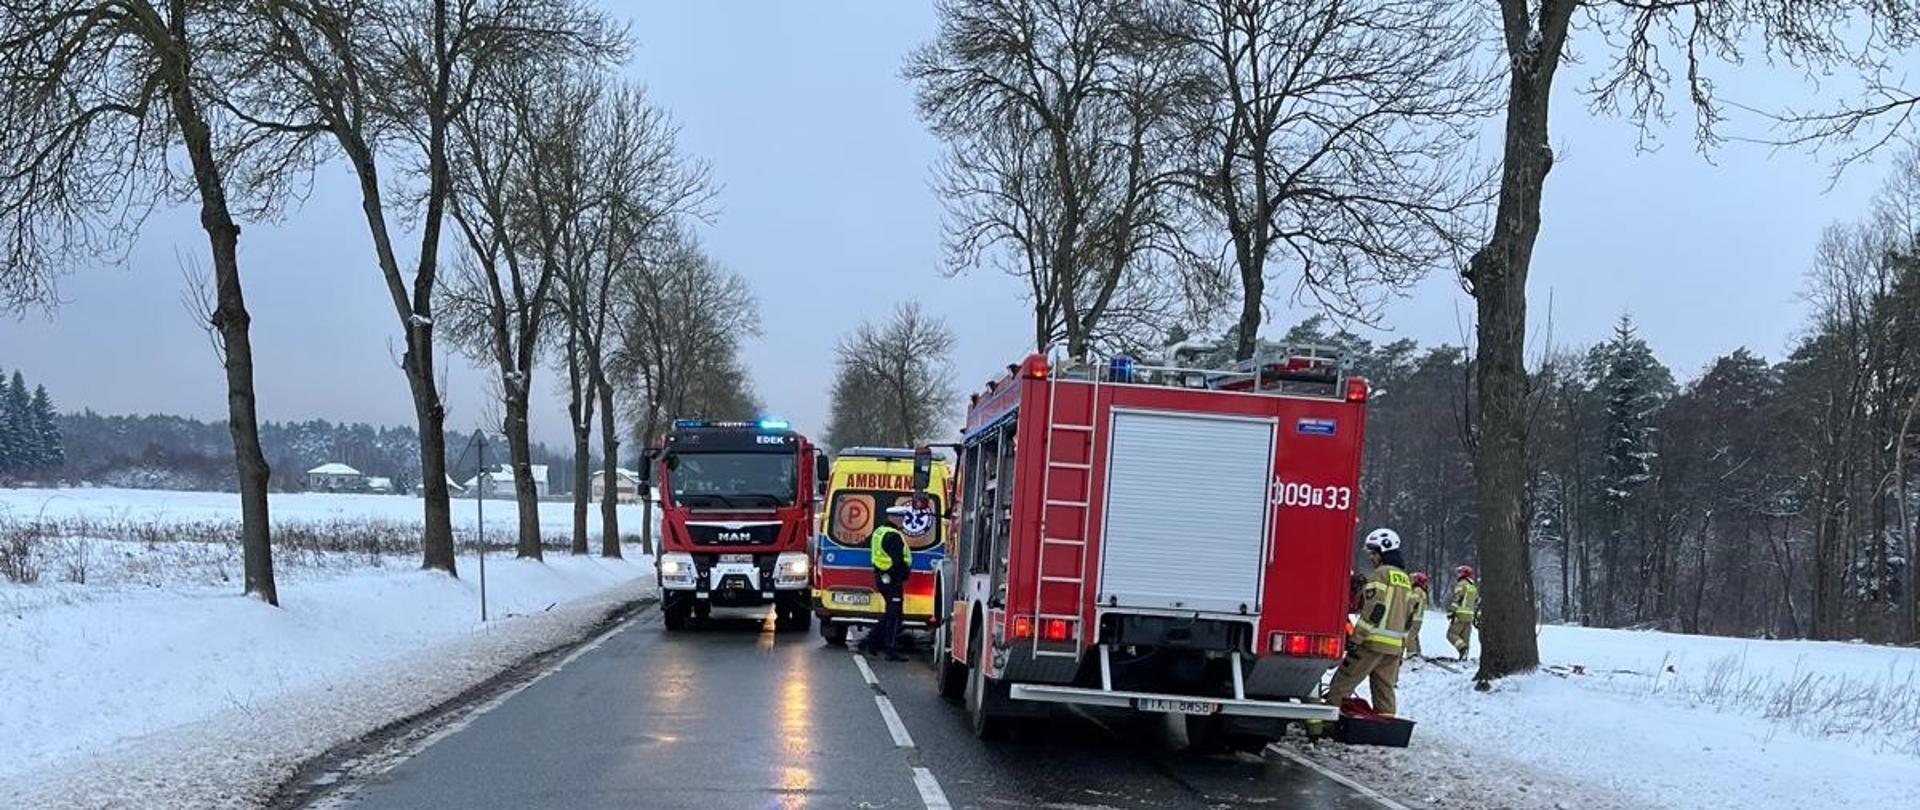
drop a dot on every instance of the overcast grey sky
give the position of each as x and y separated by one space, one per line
827 211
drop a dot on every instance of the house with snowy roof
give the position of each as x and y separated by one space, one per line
335 477
499 481
626 485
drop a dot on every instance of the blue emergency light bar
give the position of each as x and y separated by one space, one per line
764 424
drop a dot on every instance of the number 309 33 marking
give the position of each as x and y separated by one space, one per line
1331 498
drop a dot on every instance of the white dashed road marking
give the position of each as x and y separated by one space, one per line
930 793
894 726
923 779
866 672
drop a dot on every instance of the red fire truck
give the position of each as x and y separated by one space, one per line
1155 539
737 503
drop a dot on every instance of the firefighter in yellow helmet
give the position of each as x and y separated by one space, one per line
1463 614
1380 633
1417 610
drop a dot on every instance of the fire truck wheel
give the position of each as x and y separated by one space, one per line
674 613
833 632
952 678
792 615
984 700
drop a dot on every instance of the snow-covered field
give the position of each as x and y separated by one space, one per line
169 506
1658 720
158 653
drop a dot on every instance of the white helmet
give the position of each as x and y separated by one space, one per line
1383 540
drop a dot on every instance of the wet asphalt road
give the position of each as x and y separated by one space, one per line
736 716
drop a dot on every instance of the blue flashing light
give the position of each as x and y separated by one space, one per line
1120 369
774 424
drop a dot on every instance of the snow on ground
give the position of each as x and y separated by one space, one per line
1657 720
156 679
171 506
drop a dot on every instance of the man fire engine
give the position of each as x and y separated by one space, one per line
737 511
1155 539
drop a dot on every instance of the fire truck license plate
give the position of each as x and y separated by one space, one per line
1166 706
736 558
845 598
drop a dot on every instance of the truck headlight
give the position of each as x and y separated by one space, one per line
676 569
790 570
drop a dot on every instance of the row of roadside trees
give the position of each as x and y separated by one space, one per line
518 196
1124 157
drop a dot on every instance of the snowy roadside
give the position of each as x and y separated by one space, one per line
1654 720
205 698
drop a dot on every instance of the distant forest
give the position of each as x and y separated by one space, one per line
175 452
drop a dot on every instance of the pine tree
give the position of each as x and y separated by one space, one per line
49 451
16 447
1633 384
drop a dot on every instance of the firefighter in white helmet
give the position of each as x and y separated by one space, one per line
1380 633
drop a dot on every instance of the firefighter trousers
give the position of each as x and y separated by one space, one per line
1381 671
1413 641
1460 635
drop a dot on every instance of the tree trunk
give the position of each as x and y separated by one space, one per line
1253 287
231 320
526 495
580 422
436 537
1498 275
609 463
582 486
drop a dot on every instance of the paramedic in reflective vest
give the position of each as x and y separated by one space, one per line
1380 632
1463 614
891 566
1415 612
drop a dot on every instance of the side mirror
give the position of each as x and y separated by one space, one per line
821 472
922 468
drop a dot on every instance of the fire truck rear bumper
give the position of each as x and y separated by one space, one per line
1281 709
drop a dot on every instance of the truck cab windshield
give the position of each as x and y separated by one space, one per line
733 479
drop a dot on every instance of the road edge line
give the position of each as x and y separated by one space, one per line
1351 784
930 793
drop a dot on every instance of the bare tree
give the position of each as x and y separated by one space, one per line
1058 118
1638 37
95 96
521 189
1333 132
894 384
680 321
643 185
380 83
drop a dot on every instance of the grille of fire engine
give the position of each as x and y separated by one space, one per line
737 535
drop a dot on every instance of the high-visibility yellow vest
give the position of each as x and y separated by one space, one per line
876 547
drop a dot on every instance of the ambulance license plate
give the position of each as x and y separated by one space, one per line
1166 706
848 598
736 558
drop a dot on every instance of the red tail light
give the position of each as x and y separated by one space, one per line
1307 646
1056 630
1023 627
